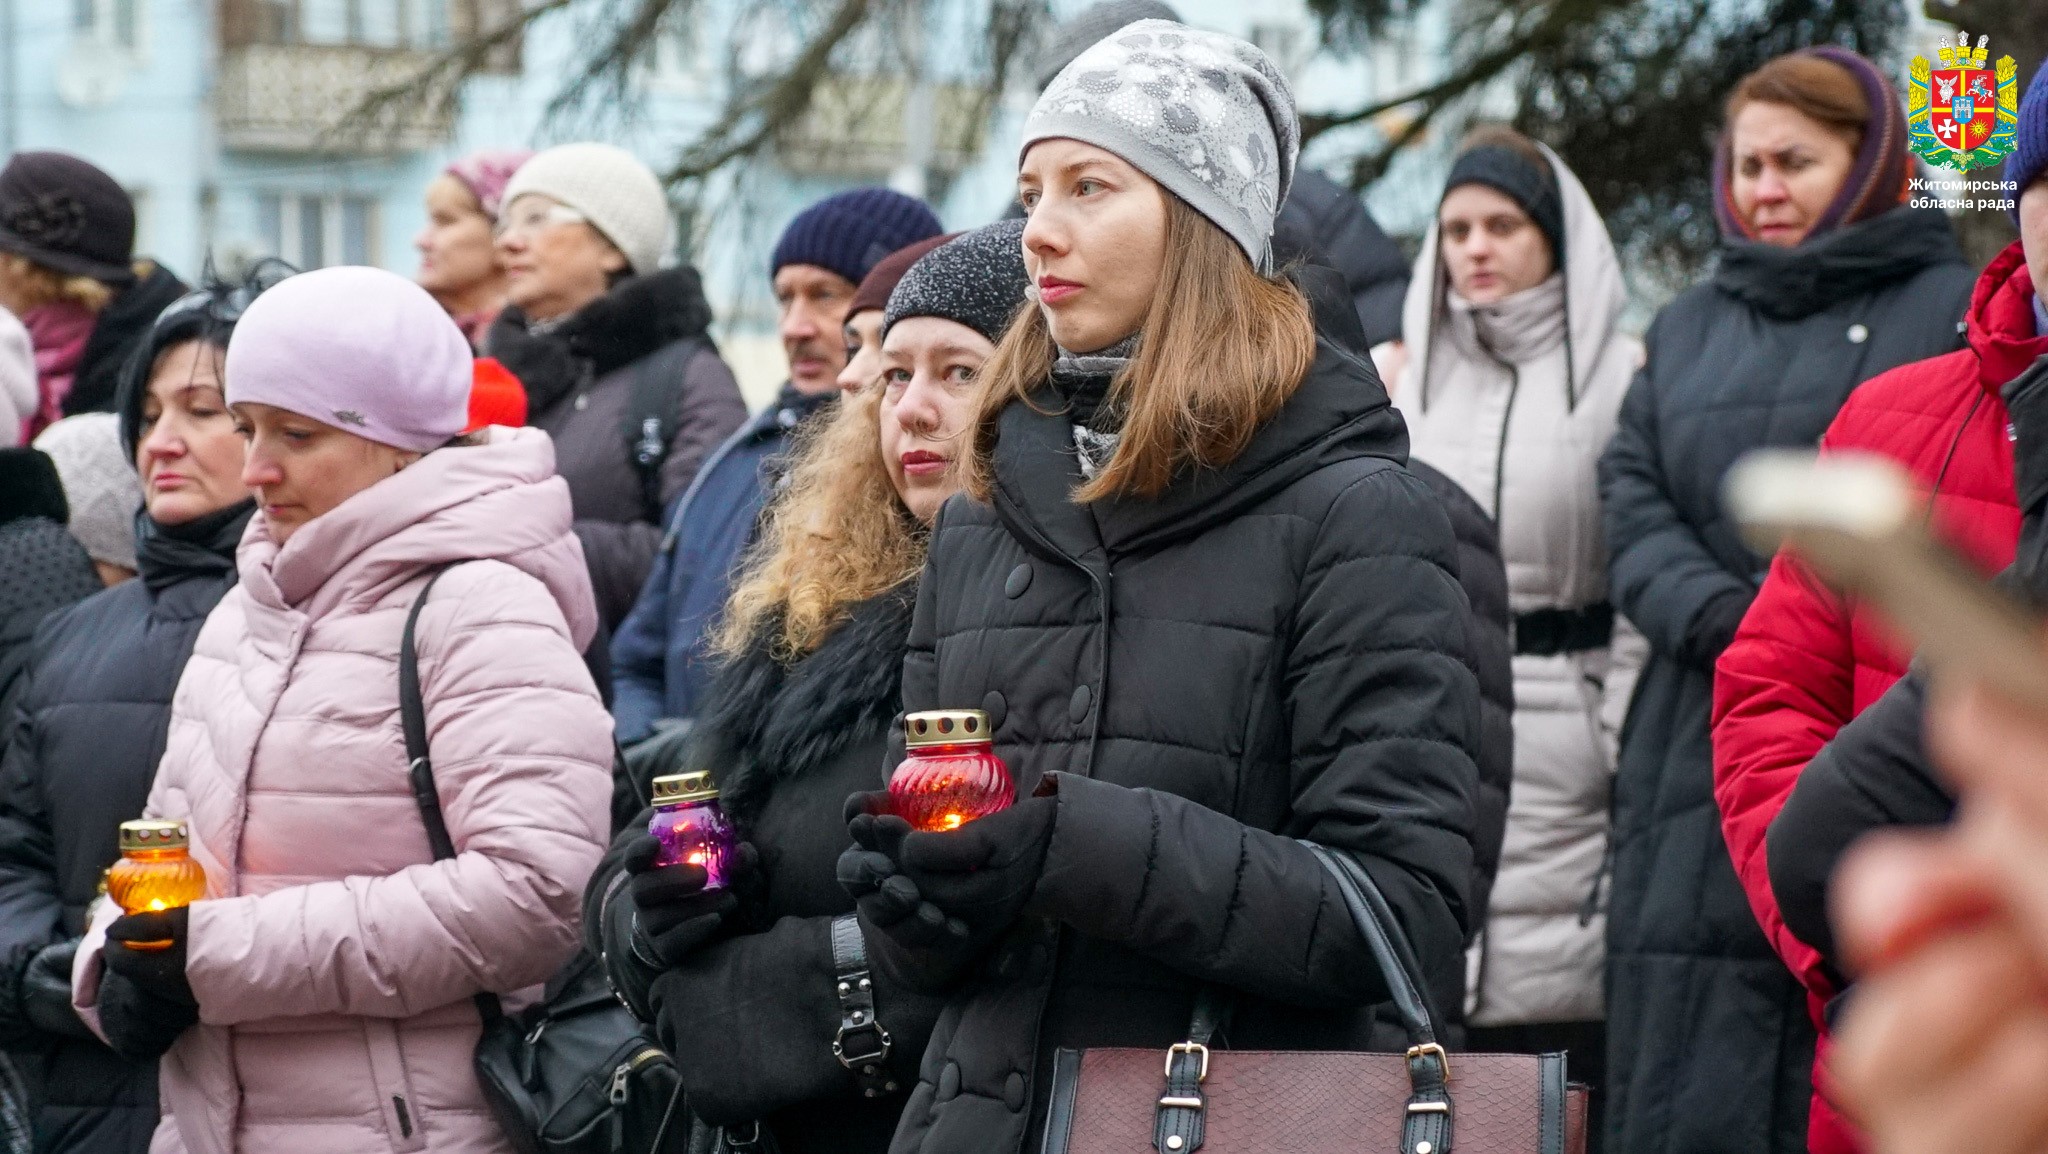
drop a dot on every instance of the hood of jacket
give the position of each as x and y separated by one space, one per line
1791 283
120 327
1339 411
498 501
2002 330
640 315
1594 295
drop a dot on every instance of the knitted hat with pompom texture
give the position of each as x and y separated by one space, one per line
621 196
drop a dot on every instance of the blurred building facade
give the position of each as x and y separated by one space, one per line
221 117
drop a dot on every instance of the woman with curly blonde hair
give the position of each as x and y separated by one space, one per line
797 720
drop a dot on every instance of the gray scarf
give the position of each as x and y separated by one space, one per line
1084 380
1521 326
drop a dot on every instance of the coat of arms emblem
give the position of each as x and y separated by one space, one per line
1962 115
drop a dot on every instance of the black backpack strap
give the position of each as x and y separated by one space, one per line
412 717
651 415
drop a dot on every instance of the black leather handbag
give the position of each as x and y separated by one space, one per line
571 1074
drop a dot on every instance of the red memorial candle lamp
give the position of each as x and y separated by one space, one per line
952 774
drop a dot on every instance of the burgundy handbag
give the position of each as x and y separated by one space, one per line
1192 1096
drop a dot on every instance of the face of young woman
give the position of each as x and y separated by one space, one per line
301 468
1491 248
863 332
187 453
1786 169
457 254
555 262
1095 243
928 395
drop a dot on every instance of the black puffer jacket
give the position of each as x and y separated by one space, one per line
1490 648
1489 641
1268 651
42 567
1709 1040
1325 214
81 751
587 379
787 745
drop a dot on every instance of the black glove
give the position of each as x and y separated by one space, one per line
161 971
932 910
141 1025
674 913
984 872
46 992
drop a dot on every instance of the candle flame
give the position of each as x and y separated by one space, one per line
156 904
696 857
952 821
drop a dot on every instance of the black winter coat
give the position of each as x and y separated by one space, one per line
42 566
1324 215
1489 643
585 380
751 1019
1709 1041
81 750
1268 651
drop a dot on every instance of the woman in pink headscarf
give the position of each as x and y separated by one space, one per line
458 263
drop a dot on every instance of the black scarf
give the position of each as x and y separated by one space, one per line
1791 283
121 326
766 723
168 554
638 316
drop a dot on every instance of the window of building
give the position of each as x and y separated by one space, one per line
314 230
113 23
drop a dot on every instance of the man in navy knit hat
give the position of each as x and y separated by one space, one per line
659 660
2027 169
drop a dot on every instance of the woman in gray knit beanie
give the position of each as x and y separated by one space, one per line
1206 613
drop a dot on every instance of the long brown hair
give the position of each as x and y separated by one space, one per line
1220 350
836 535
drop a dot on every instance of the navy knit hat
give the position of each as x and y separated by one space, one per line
977 279
850 232
2029 157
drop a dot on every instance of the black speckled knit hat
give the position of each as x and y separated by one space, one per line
977 279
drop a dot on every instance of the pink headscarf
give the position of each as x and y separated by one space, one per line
361 349
486 172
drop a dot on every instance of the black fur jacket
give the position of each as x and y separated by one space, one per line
786 745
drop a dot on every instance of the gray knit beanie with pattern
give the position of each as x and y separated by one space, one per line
1206 115
1079 32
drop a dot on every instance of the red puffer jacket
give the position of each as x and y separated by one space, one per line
1805 661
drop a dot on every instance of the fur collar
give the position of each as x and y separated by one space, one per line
766 723
642 314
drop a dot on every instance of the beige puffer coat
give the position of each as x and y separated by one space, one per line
1515 401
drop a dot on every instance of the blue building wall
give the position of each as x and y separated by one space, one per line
151 121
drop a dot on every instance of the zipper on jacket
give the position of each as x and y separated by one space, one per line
404 1116
1500 456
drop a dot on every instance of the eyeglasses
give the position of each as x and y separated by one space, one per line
535 217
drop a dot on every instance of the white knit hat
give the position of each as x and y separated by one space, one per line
620 195
99 484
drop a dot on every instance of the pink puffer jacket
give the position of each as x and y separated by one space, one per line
334 960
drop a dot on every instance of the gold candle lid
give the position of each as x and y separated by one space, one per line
153 835
945 727
676 788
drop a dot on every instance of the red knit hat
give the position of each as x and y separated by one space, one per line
495 396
